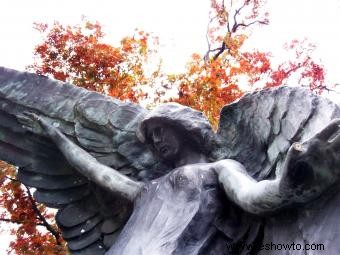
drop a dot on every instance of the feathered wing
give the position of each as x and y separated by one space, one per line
89 217
257 131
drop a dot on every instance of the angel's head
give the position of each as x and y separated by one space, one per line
171 127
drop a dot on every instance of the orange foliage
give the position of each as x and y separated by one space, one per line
206 87
227 71
21 210
77 54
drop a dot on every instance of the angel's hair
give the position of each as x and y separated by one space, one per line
191 122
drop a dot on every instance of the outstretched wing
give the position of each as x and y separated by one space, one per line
257 131
88 216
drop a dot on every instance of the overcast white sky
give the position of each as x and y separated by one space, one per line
180 24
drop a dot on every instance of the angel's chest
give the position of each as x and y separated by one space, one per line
171 213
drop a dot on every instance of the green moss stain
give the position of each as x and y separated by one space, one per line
2 136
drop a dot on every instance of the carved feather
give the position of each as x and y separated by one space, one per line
257 131
103 126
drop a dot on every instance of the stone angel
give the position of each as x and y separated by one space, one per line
129 181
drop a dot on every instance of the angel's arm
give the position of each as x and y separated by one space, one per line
310 168
87 165
252 196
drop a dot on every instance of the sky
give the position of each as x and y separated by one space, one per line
180 25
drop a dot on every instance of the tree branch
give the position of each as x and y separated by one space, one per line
48 226
220 50
12 221
249 24
44 223
19 222
235 26
206 56
324 87
11 179
237 12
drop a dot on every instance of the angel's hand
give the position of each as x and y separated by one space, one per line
314 166
34 123
30 121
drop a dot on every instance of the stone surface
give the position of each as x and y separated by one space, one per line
86 117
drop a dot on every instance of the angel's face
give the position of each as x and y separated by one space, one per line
165 140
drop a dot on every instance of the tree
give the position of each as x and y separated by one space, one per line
35 231
79 55
227 71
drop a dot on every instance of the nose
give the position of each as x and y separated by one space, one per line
156 137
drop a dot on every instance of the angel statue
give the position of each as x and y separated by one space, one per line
128 181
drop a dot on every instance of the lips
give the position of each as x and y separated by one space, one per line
164 149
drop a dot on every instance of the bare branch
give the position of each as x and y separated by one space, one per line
54 232
220 51
206 56
44 223
12 221
249 24
324 87
235 26
224 8
19 222
237 12
11 179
